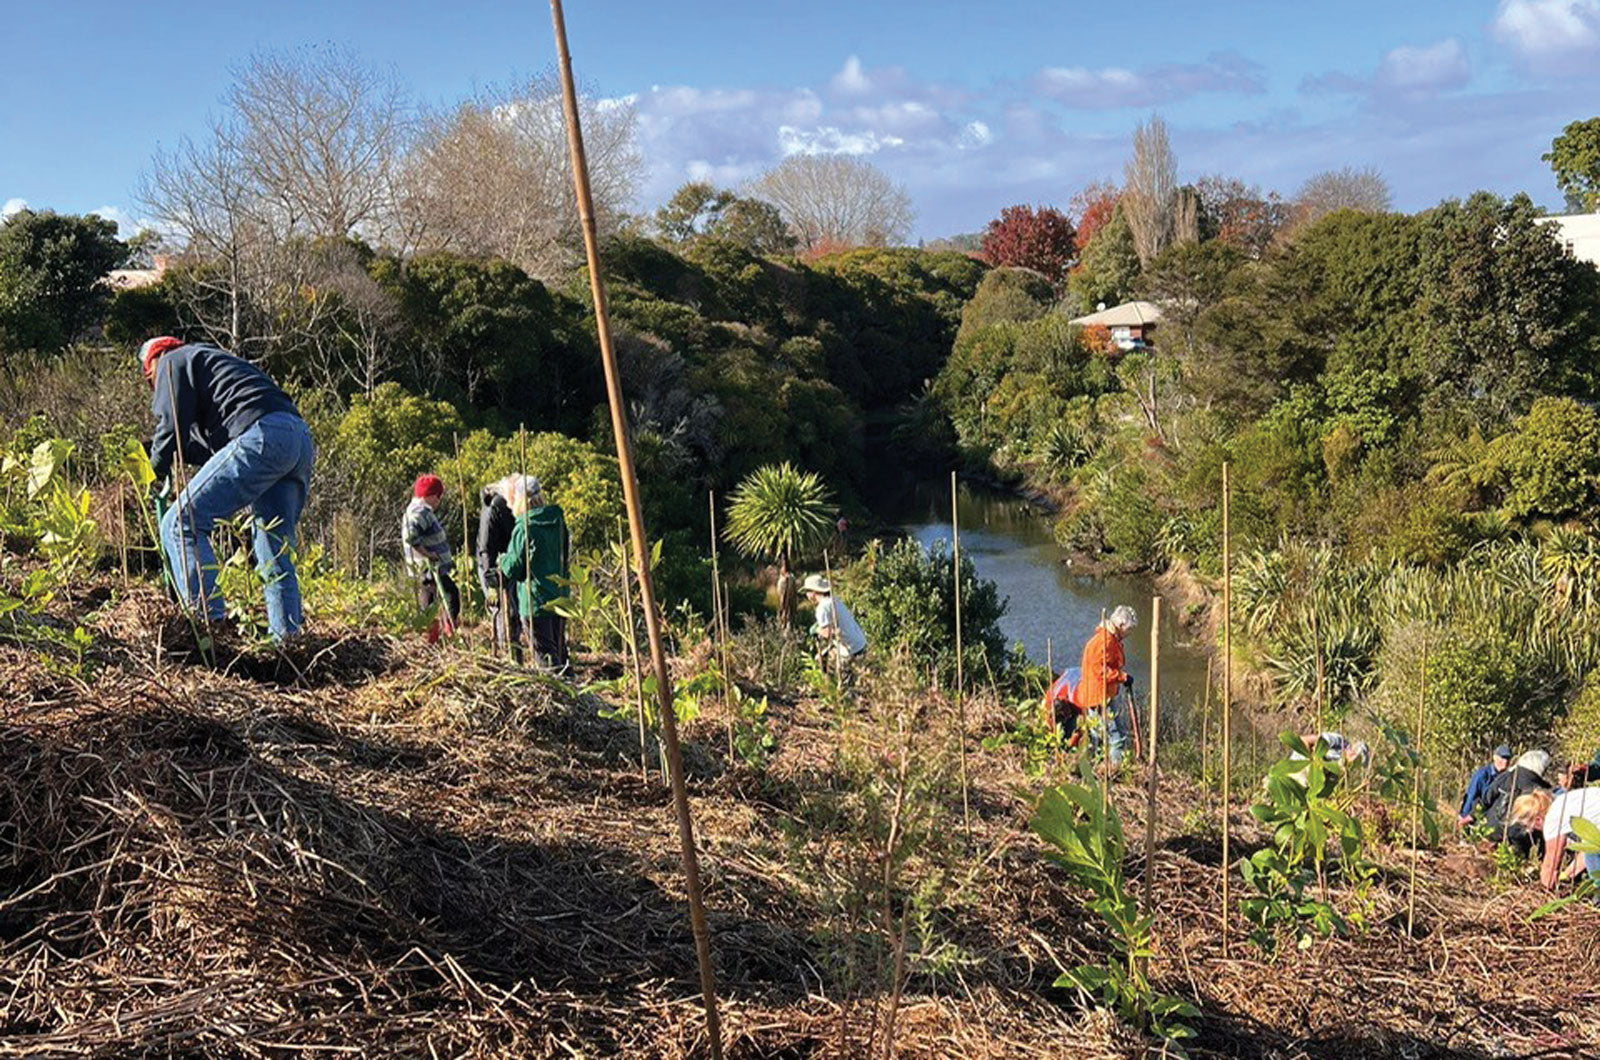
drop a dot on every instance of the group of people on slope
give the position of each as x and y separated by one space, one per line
523 554
222 424
1084 697
1521 807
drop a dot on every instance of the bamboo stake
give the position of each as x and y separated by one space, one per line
1227 692
527 542
1104 720
469 559
1155 715
1416 794
717 630
630 636
961 698
641 542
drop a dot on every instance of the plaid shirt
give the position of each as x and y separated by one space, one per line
423 538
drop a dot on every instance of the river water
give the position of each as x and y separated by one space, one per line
1051 609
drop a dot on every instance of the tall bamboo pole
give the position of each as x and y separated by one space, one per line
630 642
1416 793
641 542
1155 717
961 697
469 560
1227 693
527 541
718 629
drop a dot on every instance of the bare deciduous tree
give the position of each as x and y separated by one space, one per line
836 200
1150 200
320 133
303 154
1341 189
494 178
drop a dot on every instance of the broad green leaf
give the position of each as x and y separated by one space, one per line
47 457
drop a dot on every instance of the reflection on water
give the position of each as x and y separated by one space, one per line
1051 609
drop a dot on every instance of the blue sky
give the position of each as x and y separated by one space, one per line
972 106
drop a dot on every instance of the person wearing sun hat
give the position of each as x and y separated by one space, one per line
836 628
243 444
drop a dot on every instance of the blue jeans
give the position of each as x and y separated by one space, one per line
1591 862
267 468
1115 731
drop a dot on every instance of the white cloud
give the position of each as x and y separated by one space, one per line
1432 68
127 224
852 80
1563 35
13 206
1409 70
1114 86
831 140
976 134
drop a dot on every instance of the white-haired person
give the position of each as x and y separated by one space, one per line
495 523
838 634
1104 676
535 562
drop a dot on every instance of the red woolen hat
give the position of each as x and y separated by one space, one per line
428 486
152 350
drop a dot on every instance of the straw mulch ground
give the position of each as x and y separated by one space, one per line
368 847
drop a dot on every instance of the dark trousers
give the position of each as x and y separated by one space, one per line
550 640
428 593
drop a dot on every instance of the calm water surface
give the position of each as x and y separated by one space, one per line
1051 609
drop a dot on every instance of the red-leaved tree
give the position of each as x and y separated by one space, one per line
1041 239
1094 206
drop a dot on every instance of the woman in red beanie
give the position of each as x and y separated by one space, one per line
426 547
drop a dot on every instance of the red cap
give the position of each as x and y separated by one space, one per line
428 486
152 350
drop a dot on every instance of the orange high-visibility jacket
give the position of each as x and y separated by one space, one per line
1103 673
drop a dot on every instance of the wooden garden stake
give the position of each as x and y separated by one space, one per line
717 618
1227 693
1416 793
641 540
1155 716
961 699
630 639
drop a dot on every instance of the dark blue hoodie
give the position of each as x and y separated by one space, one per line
207 398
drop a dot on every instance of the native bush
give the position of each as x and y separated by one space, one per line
904 597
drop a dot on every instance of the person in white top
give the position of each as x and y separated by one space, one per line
836 628
1556 823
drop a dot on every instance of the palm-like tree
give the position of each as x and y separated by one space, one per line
781 513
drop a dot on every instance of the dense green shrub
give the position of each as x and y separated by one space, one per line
904 597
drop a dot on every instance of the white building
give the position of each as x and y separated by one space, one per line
1580 232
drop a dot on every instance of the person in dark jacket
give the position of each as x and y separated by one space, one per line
243 444
535 557
495 523
1525 777
1478 788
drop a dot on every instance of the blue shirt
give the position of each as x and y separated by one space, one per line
1478 789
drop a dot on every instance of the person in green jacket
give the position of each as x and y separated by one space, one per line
534 558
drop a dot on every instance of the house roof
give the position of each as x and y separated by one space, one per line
1126 315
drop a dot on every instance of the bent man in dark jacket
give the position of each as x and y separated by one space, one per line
244 444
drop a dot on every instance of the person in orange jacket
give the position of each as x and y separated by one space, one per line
1105 674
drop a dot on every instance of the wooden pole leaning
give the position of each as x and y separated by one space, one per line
641 542
630 643
961 690
1227 696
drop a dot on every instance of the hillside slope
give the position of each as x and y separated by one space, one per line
372 847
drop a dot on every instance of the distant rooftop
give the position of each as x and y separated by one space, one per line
1126 315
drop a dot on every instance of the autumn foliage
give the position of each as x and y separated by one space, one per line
1094 206
1042 239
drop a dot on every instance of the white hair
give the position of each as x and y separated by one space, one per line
1124 617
